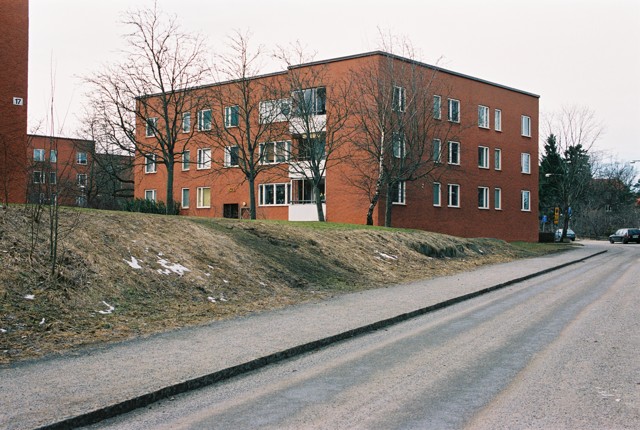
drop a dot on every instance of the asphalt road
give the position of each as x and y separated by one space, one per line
558 351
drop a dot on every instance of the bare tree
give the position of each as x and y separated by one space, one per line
142 104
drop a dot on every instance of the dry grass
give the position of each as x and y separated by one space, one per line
234 268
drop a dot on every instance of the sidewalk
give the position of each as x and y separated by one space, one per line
113 378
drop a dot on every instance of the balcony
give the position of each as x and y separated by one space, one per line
308 124
305 211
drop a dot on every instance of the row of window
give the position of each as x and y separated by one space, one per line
39 155
40 177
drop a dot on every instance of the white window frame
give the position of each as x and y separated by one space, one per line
202 124
483 116
436 150
525 202
53 178
81 158
450 151
525 163
525 128
453 114
229 116
81 180
262 193
399 99
150 195
437 194
483 157
38 155
450 188
483 197
281 151
186 160
497 159
200 191
497 199
272 111
399 145
53 156
150 165
39 177
310 101
185 193
437 107
151 125
228 158
204 159
186 122
497 120
399 193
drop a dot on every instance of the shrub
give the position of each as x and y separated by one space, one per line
150 207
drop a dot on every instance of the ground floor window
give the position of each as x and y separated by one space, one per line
150 195
204 197
454 195
274 194
399 193
497 198
436 194
525 200
483 198
185 198
304 193
231 210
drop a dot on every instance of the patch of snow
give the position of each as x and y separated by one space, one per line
2 330
42 322
177 268
160 254
133 263
262 284
108 311
211 299
164 271
222 299
387 256
210 266
30 297
225 281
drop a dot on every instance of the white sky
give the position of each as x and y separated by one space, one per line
570 52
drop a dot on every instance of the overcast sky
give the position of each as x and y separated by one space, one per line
570 52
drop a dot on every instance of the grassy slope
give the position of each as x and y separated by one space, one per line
243 266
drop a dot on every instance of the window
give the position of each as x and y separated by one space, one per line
399 99
186 122
483 198
312 148
454 195
231 156
231 115
150 163
81 158
483 157
483 117
204 197
185 198
399 146
525 200
497 159
437 107
38 155
81 201
186 160
497 120
204 158
204 120
497 198
274 194
436 151
274 152
399 193
525 162
39 177
53 156
454 153
526 126
454 110
436 194
274 111
152 127
150 195
53 178
311 101
81 180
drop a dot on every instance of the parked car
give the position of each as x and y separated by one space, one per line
570 234
626 235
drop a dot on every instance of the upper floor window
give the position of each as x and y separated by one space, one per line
399 193
186 160
150 163
525 200
526 126
274 152
497 120
38 155
454 153
483 117
204 158
151 127
231 156
231 116
454 110
436 151
454 195
311 101
483 157
53 156
399 99
483 198
204 120
437 107
525 161
81 158
186 122
81 180
274 111
399 145
312 148
497 159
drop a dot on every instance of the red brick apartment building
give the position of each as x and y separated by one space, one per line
14 56
483 151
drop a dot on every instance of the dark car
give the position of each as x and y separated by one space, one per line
570 234
626 235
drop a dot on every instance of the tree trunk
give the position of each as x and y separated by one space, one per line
252 197
388 205
318 197
169 202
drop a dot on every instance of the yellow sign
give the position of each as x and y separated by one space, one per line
556 215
